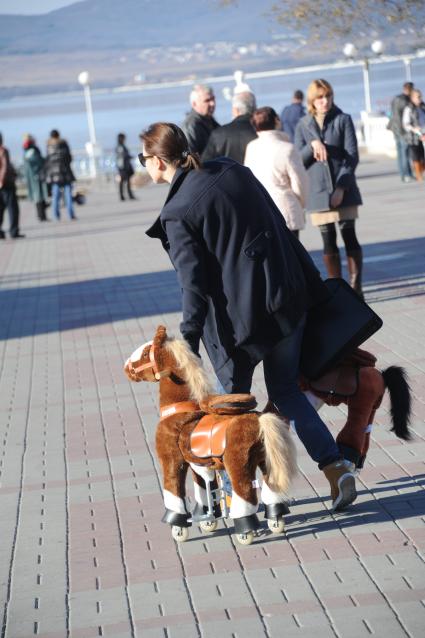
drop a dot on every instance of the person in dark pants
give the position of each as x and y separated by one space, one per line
246 283
292 114
395 125
34 173
8 198
124 166
327 141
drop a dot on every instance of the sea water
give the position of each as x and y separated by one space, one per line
130 111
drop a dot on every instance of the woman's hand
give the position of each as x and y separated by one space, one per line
320 153
337 197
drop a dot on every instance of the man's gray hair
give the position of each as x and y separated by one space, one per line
199 88
244 103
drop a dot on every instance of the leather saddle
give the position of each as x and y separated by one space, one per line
208 438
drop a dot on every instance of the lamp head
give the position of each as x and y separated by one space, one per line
349 50
84 78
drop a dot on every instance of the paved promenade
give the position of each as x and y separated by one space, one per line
83 552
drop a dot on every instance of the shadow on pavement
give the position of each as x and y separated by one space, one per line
393 270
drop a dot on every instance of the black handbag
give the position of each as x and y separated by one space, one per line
335 328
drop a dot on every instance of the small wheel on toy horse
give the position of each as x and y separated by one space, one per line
180 534
276 525
208 526
245 539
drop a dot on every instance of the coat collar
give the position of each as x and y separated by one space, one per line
312 124
156 230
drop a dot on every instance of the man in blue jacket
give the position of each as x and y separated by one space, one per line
292 114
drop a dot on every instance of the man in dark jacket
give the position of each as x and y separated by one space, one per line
200 123
8 198
395 125
292 114
232 139
246 284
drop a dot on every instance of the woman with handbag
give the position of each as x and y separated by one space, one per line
246 283
328 145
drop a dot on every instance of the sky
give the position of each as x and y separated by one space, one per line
29 7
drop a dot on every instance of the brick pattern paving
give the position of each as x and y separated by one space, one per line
83 550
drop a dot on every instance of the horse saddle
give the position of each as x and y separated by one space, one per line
209 436
228 403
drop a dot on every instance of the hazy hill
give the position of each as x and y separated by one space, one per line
111 24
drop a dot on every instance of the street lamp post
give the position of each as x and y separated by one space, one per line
350 51
91 147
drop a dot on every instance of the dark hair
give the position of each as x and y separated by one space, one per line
408 86
264 119
167 141
298 95
120 138
54 133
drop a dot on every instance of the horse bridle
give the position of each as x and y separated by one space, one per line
151 364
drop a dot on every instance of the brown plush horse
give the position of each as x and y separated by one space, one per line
361 386
210 433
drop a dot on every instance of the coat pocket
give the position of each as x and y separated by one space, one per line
259 246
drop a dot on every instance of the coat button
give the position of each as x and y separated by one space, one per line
250 253
268 234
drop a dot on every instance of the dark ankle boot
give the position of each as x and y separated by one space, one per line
355 267
333 265
41 211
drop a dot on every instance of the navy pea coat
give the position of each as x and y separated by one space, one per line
246 280
339 137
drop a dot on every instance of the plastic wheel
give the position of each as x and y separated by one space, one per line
208 526
180 534
276 525
245 539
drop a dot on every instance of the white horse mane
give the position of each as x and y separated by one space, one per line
191 368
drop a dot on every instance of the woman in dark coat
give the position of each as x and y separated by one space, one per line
124 166
328 144
34 174
246 283
59 173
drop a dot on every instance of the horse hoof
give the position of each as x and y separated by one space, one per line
276 525
245 539
208 526
180 534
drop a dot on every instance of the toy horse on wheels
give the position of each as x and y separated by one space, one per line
211 434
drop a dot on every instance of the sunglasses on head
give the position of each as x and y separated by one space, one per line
142 158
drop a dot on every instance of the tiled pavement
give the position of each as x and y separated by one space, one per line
83 552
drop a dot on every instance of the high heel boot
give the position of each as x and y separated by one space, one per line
355 267
333 265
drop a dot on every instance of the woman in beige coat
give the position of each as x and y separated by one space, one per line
277 164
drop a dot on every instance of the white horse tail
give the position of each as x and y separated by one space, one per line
280 452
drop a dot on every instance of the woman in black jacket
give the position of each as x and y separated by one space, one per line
124 166
328 144
246 283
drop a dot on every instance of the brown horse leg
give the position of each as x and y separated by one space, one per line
361 407
241 466
174 470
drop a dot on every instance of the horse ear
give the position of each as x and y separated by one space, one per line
160 336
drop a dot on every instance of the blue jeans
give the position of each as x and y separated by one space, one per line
56 197
281 372
404 167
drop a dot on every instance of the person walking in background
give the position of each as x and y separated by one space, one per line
395 125
277 164
199 122
413 123
35 176
8 197
246 283
328 144
292 114
124 166
231 139
59 173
